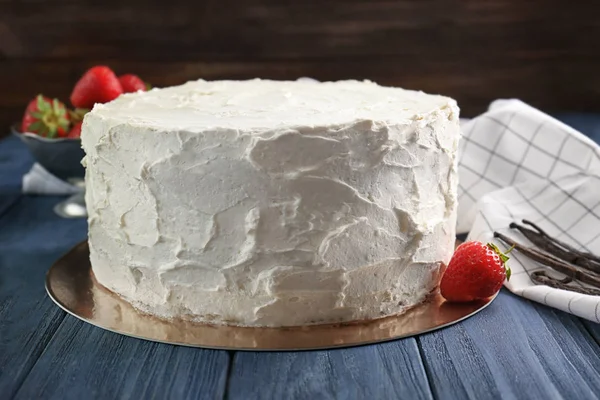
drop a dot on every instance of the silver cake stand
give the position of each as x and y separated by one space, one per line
71 284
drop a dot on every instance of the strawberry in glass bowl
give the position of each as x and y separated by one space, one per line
50 132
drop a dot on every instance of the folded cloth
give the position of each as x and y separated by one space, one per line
39 181
518 163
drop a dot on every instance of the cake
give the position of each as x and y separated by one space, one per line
272 203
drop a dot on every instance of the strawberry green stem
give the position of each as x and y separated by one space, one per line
503 257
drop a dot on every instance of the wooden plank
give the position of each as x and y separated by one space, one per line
594 329
473 87
15 161
385 371
588 124
85 362
513 349
7 201
314 29
31 238
474 51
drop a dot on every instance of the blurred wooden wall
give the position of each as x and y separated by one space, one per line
546 52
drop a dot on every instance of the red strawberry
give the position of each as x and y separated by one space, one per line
46 117
476 271
131 83
98 85
75 131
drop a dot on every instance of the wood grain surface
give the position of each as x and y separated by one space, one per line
28 319
391 370
516 349
117 367
543 51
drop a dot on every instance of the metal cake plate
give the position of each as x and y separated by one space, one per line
71 285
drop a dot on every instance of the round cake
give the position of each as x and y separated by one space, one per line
272 203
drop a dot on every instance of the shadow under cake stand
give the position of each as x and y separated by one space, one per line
71 285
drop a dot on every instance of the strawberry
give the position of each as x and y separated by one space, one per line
132 83
476 271
98 85
46 117
75 131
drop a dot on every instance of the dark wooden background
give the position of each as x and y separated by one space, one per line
546 52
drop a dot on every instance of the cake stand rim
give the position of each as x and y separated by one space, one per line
51 282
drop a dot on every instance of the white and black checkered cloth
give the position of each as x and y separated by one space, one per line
519 163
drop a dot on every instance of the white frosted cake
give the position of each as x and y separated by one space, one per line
268 203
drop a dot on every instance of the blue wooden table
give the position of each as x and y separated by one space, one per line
513 349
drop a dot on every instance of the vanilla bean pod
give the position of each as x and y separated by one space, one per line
542 278
569 251
547 244
553 262
563 244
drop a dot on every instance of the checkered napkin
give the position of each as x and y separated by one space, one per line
519 163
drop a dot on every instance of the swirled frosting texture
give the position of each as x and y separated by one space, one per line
267 203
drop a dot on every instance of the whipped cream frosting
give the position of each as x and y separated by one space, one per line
270 203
